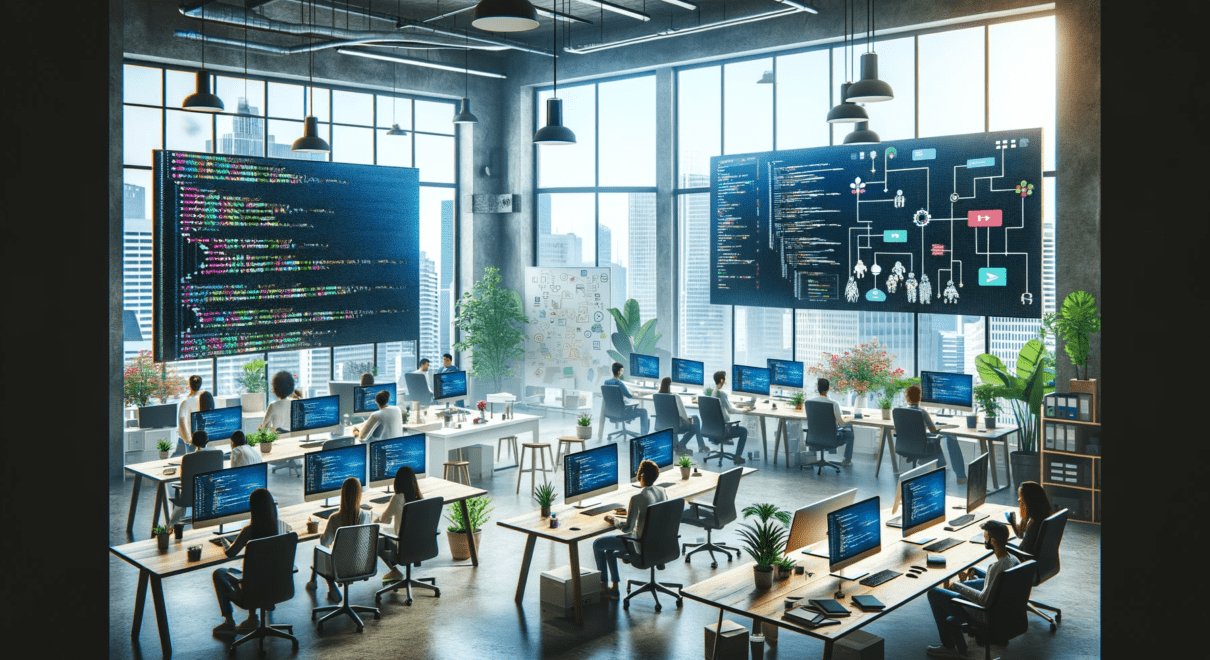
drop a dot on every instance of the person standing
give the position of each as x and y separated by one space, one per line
184 412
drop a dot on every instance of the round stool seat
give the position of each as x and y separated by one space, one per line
461 470
568 441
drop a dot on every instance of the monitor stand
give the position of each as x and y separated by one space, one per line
219 531
327 503
920 539
585 504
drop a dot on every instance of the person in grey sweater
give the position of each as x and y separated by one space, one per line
978 591
606 549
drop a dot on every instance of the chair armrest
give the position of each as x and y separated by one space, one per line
733 423
388 533
696 505
631 544
969 605
323 548
1020 554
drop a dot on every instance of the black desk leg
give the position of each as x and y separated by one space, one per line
530 541
140 599
718 635
161 615
470 534
160 503
134 503
827 649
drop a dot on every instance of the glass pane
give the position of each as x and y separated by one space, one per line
1021 67
435 158
141 132
137 252
626 243
435 117
627 124
394 110
950 342
352 108
178 85
188 131
229 370
951 83
835 332
353 361
394 150
141 84
747 107
762 333
395 359
241 135
802 100
246 97
698 120
286 101
282 135
566 229
321 106
310 368
570 164
894 119
703 330
353 145
187 368
436 270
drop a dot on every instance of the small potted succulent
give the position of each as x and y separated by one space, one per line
480 511
988 398
584 427
164 446
782 568
545 495
685 463
264 438
798 400
161 536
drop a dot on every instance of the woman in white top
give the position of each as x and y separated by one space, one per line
350 513
241 453
690 426
386 422
607 548
407 489
183 412
277 415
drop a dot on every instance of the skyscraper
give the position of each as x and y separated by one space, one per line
430 314
136 264
447 274
704 330
641 277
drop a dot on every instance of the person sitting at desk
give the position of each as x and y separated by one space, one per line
607 548
447 364
264 524
277 414
690 426
912 394
241 453
199 441
1035 507
428 374
407 489
184 411
386 422
822 386
350 513
629 412
367 379
978 591
741 433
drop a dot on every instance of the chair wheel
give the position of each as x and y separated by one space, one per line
436 593
1058 618
713 564
407 602
679 603
359 629
687 559
625 605
658 607
377 615
1053 627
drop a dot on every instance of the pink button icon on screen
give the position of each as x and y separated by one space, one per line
991 218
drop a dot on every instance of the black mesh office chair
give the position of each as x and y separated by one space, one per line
416 542
912 440
822 434
268 579
1004 617
353 558
1050 536
191 465
715 429
715 515
656 545
614 409
418 389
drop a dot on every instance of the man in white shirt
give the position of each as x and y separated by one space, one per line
183 412
980 592
386 422
241 453
428 374
822 385
741 433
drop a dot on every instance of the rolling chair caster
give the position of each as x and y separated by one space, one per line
436 593
713 564
407 602
359 629
319 629
625 605
658 607
679 603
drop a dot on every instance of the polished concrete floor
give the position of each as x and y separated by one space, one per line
475 617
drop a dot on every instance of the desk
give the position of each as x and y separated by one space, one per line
154 564
575 527
442 440
734 590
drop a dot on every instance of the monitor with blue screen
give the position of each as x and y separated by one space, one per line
387 456
923 501
219 423
315 414
750 380
644 366
854 534
449 386
363 397
688 372
222 496
589 473
655 447
324 472
947 390
785 373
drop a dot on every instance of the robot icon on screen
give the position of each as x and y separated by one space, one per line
875 270
860 269
911 286
1027 298
892 283
899 200
897 270
850 290
926 290
950 295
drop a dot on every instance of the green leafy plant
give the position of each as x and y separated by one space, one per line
987 395
891 388
766 512
252 380
1075 323
480 510
584 420
545 495
262 436
798 399
708 392
144 379
406 413
633 335
156 531
1024 391
785 563
491 320
684 461
866 367
163 445
764 542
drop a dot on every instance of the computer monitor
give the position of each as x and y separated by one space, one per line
589 473
945 390
688 372
810 524
158 417
976 482
785 373
222 496
853 534
750 380
903 476
315 414
449 386
324 472
655 447
219 423
363 397
387 456
923 501
344 389
644 366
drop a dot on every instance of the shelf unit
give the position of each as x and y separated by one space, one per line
1072 476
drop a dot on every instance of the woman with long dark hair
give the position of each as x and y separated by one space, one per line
264 523
407 489
350 513
1034 508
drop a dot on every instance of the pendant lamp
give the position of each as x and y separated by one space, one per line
202 99
505 16
554 132
847 111
862 135
870 89
766 79
310 142
395 130
465 116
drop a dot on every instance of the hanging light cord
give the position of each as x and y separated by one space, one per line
554 46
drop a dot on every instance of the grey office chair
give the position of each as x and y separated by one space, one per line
191 465
268 579
656 546
1050 536
352 558
823 435
912 440
416 542
614 409
667 415
715 515
418 389
714 428
1005 616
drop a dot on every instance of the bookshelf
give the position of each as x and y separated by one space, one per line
1071 449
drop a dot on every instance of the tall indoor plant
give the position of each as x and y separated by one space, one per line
1024 391
491 320
634 335
252 381
1076 322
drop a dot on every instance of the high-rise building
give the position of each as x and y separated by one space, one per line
247 137
136 265
704 330
430 315
446 292
641 278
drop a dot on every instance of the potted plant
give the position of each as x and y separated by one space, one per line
860 370
987 396
764 542
798 400
545 495
584 426
1024 391
1076 322
490 319
890 388
161 536
164 446
634 335
782 568
143 380
685 463
263 438
479 510
253 383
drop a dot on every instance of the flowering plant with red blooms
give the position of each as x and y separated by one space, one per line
482 405
865 368
143 380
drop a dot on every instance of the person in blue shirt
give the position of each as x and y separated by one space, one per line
629 412
447 364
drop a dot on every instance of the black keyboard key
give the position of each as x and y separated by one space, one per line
879 577
942 545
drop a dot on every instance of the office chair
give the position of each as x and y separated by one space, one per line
418 389
191 464
337 443
667 416
1050 536
614 409
912 440
1005 616
655 546
715 515
416 542
714 429
822 434
268 579
352 558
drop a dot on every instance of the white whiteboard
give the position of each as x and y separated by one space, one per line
569 327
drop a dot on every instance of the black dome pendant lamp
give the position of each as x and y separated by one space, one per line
505 16
202 100
870 89
846 111
310 142
554 132
465 116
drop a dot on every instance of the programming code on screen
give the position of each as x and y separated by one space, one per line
256 254
688 372
784 373
923 498
307 414
387 456
326 471
589 470
363 397
751 380
947 389
226 492
219 423
644 366
655 447
449 384
853 530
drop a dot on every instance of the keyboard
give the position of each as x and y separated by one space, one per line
382 500
879 577
308 445
964 520
325 514
941 545
218 540
598 510
946 426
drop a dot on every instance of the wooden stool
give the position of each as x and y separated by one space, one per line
461 471
535 450
568 440
512 447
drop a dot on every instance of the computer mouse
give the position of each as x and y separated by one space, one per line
911 575
920 567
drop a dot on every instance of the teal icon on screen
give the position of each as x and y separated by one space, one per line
895 236
993 277
981 162
875 295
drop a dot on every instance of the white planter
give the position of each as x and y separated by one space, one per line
252 401
583 432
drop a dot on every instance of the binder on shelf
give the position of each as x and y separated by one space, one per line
1073 406
1085 404
1050 405
1071 438
1050 434
1061 437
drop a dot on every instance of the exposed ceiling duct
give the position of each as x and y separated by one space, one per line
792 8
274 49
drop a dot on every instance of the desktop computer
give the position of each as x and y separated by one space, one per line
750 380
317 414
923 500
387 456
449 387
853 535
810 525
785 374
324 472
976 493
904 476
222 496
219 423
644 366
158 417
588 474
363 397
688 372
947 391
655 447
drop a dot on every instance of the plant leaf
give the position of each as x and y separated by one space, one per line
992 370
643 338
631 309
621 342
620 321
617 357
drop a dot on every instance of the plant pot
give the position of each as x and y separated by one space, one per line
886 413
1025 466
972 421
685 474
763 576
265 447
545 514
780 573
163 455
989 422
252 401
459 548
584 432
162 540
312 527
798 406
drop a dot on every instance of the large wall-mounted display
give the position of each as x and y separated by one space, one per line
267 254
939 225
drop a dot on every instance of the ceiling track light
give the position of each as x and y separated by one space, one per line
505 16
617 9
374 55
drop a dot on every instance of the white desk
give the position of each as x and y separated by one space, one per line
441 441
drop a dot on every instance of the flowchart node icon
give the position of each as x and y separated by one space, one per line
993 277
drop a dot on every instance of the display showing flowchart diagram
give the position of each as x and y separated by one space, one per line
940 225
569 326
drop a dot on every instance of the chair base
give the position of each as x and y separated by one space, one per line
266 630
407 583
710 547
292 465
656 588
720 455
1037 607
820 463
343 608
620 434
